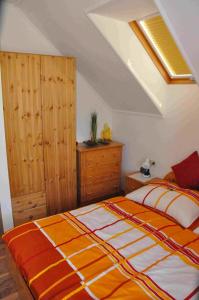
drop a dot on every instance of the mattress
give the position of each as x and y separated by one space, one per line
115 249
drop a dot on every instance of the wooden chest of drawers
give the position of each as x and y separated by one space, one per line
99 172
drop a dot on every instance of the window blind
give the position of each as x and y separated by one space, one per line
163 43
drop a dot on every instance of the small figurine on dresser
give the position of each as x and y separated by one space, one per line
106 135
145 167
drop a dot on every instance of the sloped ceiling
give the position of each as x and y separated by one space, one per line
124 10
66 25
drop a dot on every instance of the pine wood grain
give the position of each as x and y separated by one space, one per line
132 183
22 114
58 110
29 207
99 172
39 111
170 177
24 136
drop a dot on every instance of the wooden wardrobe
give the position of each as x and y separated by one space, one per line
39 112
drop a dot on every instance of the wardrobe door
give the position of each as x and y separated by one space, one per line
59 132
23 123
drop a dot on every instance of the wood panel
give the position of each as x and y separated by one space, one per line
104 156
58 109
22 113
29 207
102 174
99 172
132 183
170 177
100 190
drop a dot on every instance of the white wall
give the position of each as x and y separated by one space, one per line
166 140
131 52
89 101
20 35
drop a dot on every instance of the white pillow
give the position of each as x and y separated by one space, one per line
181 204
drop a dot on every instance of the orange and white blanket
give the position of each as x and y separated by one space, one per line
116 249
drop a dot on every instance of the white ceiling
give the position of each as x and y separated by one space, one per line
125 10
66 25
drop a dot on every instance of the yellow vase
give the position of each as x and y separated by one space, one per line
106 133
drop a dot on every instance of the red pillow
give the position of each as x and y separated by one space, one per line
187 172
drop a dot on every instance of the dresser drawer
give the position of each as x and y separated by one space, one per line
99 172
103 173
29 215
103 189
29 207
103 157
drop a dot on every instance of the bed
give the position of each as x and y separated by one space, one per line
114 249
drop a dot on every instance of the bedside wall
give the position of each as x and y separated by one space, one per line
166 140
89 101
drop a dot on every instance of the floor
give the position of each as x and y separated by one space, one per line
8 289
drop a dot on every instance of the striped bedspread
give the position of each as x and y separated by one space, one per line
115 249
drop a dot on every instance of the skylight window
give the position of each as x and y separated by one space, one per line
160 45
